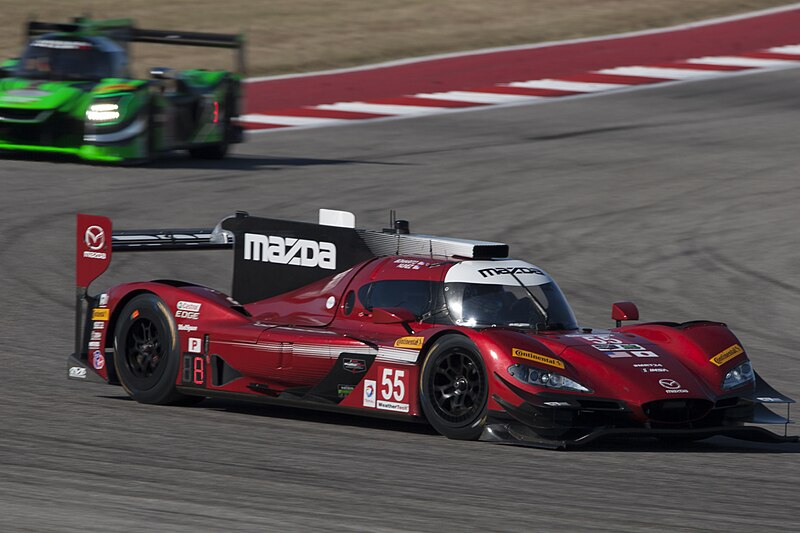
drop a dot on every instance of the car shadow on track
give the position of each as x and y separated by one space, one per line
246 162
305 415
618 445
182 161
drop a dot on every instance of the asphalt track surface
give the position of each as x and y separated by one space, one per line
683 198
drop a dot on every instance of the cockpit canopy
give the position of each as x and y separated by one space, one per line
505 294
66 57
477 294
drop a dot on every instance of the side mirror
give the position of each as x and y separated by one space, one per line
392 315
162 73
624 311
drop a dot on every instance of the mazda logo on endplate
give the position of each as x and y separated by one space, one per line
669 383
95 238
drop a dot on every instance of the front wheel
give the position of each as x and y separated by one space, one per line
146 351
454 389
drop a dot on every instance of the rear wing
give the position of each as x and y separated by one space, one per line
123 31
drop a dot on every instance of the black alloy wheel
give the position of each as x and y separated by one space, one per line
454 388
146 351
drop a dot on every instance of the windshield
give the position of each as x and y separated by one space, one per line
539 307
48 59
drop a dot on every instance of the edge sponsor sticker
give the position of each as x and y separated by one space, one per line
539 358
727 354
414 343
188 310
369 393
100 314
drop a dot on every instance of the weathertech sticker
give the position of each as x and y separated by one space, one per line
100 314
726 355
539 358
409 342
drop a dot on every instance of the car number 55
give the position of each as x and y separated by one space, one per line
393 385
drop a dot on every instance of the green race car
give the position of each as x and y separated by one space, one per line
71 93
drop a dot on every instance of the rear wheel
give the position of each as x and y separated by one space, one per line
146 351
454 389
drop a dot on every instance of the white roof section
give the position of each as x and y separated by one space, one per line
499 272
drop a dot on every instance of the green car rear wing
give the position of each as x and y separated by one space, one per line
124 32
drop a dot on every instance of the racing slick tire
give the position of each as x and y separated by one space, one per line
146 351
454 388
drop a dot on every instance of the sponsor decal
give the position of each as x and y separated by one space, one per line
393 406
726 355
356 366
96 335
343 390
410 264
95 239
415 343
671 386
767 399
98 325
94 345
537 357
489 272
650 367
195 345
77 372
616 348
100 314
188 310
369 393
103 300
98 361
289 251
186 327
557 404
62 45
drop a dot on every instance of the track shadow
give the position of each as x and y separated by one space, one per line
180 160
305 415
249 163
716 445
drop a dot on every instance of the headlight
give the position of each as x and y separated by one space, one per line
543 378
103 112
739 376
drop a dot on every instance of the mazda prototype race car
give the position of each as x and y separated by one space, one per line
393 324
71 93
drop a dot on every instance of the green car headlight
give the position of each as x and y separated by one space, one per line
103 112
544 378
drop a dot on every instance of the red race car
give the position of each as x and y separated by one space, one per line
393 324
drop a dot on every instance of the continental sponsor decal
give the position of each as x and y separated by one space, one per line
539 358
100 314
415 343
726 355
